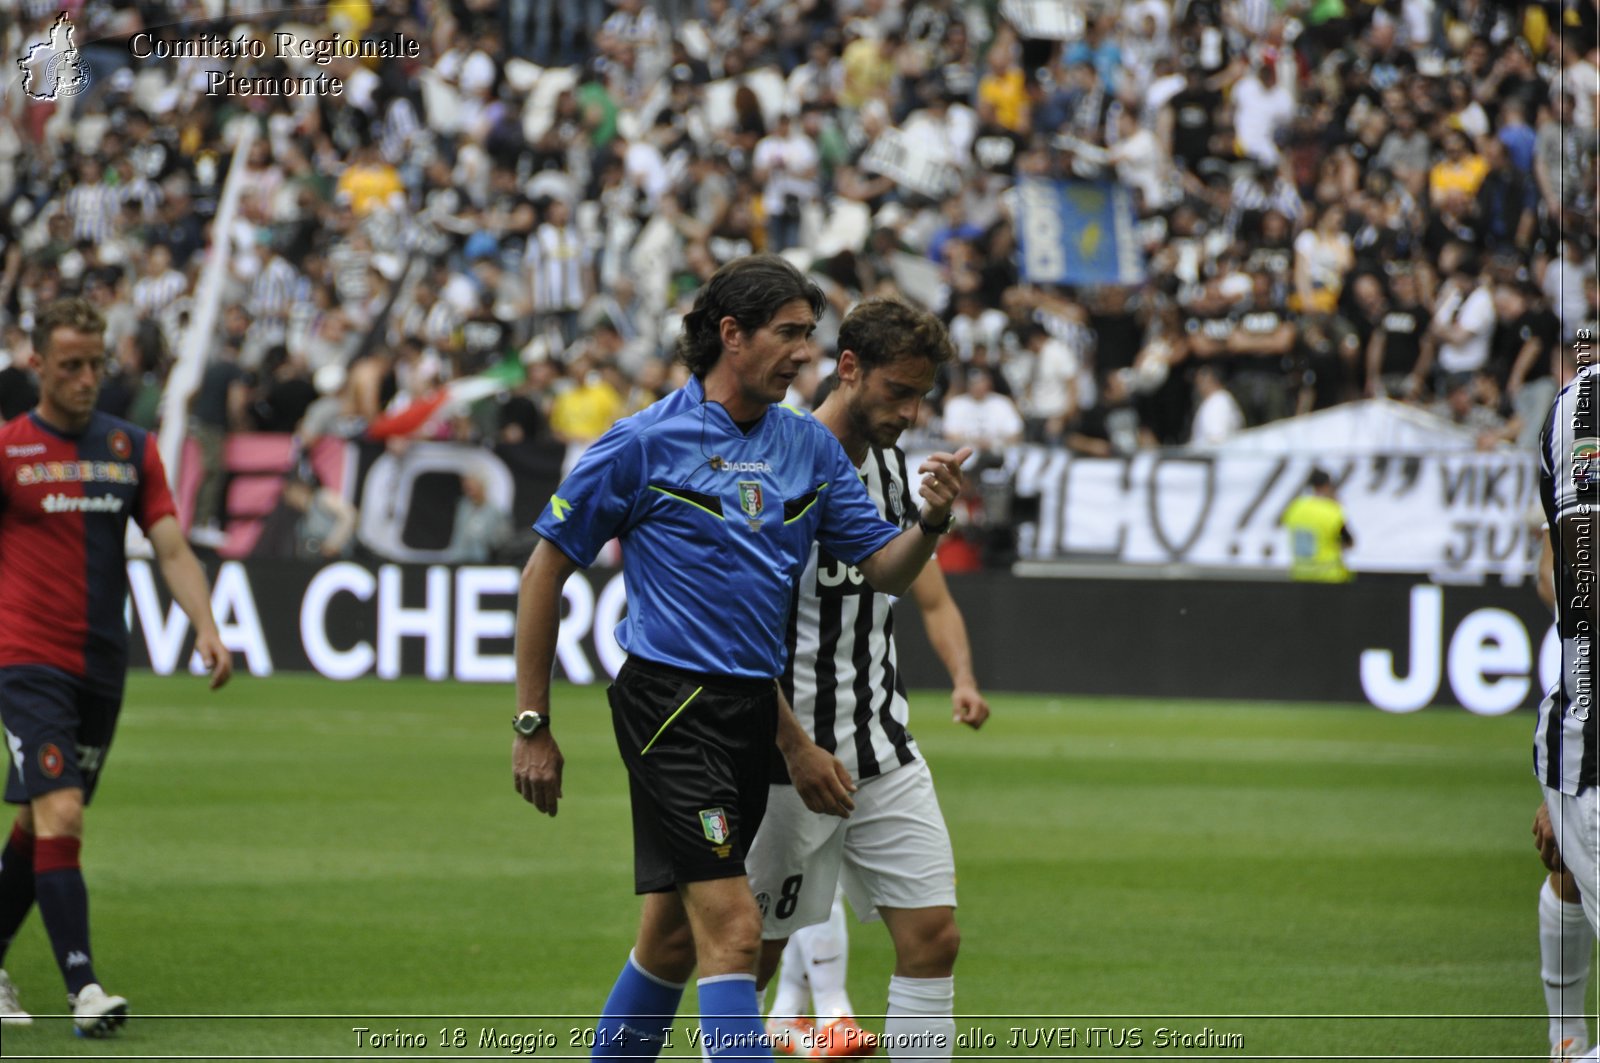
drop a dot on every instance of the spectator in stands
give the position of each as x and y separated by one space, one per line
1565 282
1472 401
1258 350
1505 201
159 284
1141 162
1217 416
369 183
1003 85
1263 106
310 523
982 419
19 387
1406 151
975 324
1459 173
1323 255
1394 353
585 406
133 388
372 380
559 271
1517 136
1052 405
1111 427
785 163
1326 364
284 392
480 527
1578 78
1463 322
221 405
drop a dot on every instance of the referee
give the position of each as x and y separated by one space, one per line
716 495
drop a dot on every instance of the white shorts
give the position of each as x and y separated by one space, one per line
893 852
1577 825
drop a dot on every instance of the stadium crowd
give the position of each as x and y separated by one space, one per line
1335 200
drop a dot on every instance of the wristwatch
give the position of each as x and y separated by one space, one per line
936 529
528 723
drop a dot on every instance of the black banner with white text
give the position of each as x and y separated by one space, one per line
1395 643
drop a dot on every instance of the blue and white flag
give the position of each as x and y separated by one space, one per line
1077 232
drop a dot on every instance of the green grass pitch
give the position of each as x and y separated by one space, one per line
317 857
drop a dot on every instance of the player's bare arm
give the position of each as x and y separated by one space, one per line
947 632
536 762
1544 839
187 581
893 568
820 778
1545 578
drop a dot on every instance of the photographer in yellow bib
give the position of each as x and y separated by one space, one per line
1318 536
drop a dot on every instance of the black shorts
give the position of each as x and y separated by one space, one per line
58 731
697 750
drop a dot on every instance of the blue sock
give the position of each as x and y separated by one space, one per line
730 1019
16 885
637 1015
64 906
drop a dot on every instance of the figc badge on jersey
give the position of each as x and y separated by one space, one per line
752 502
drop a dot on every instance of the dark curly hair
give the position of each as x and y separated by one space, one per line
881 331
751 290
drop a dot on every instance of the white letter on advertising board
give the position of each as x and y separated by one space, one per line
340 578
1382 686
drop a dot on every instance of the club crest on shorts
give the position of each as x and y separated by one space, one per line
50 761
714 822
752 501
119 443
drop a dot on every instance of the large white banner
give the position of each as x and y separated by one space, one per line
1453 515
1046 20
908 163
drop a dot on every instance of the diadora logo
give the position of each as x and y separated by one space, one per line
744 466
27 450
77 504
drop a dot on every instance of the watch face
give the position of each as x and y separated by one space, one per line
527 724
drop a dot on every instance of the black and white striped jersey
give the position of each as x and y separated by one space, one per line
843 679
1564 745
93 210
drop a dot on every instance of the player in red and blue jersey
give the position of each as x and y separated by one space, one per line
70 477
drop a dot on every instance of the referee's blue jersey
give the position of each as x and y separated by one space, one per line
716 525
